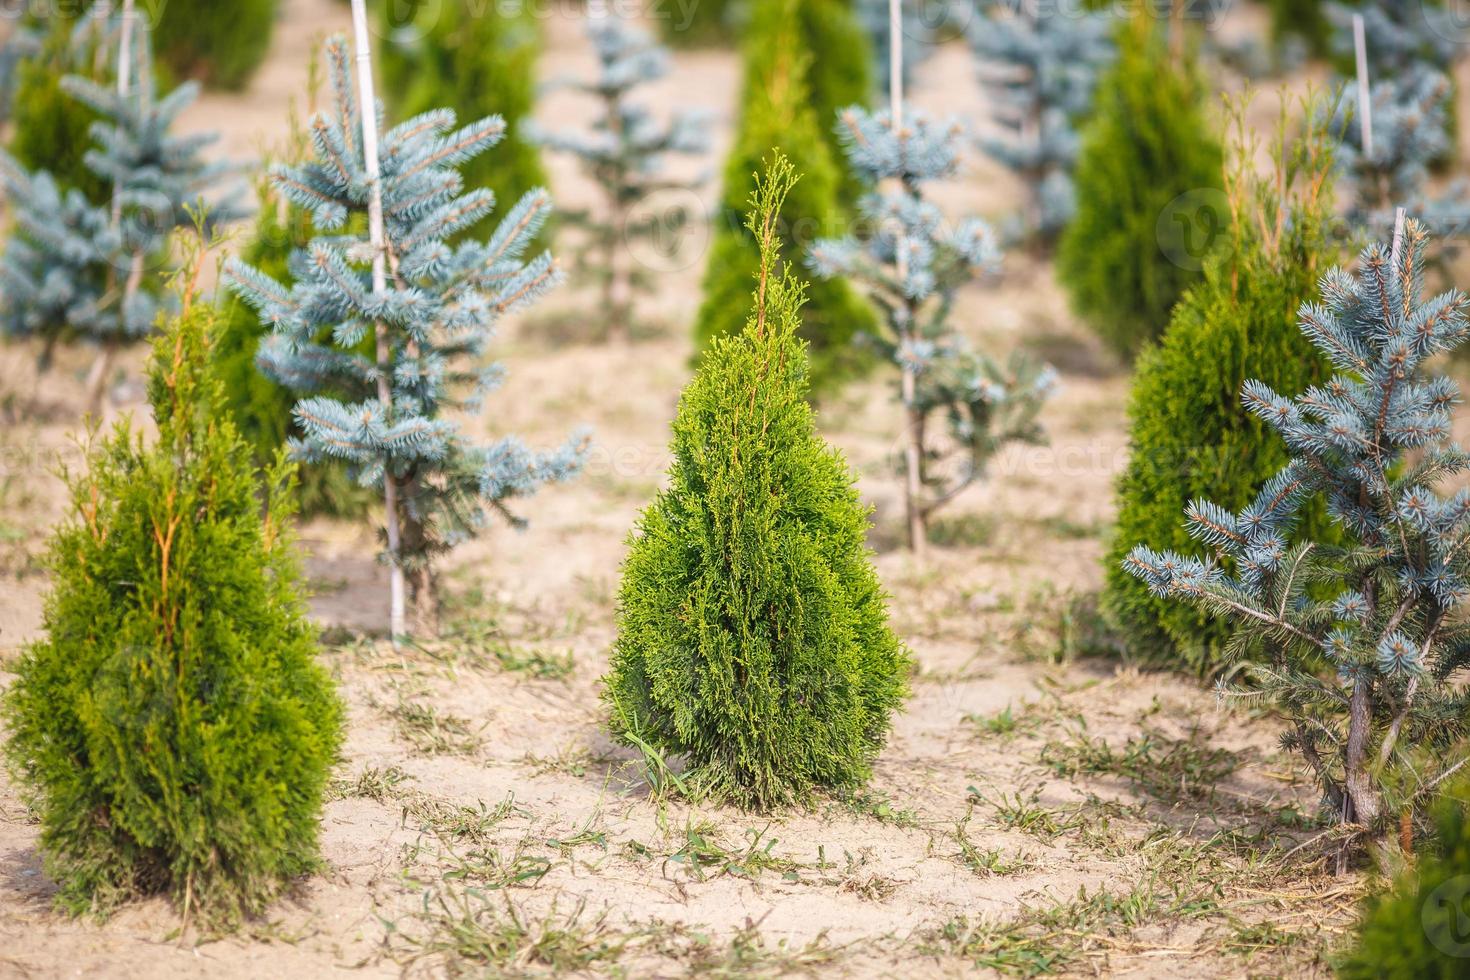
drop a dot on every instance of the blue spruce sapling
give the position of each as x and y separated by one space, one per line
1410 132
911 265
78 268
1402 35
1040 65
378 363
21 44
1367 665
625 155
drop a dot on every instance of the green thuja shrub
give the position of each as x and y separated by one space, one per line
1189 434
1133 247
173 731
1304 21
839 72
50 129
478 63
219 43
1416 928
699 23
778 114
752 634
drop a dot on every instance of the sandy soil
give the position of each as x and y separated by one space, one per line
1037 808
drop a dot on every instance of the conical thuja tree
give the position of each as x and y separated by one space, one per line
1134 244
173 731
778 113
1189 434
752 633
479 60
219 44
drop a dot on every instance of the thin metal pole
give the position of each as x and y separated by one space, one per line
367 108
1365 103
914 421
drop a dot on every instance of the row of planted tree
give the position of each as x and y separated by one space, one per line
752 632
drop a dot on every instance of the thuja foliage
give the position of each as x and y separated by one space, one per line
1410 133
778 113
701 23
837 74
78 268
1415 929
478 59
377 371
219 44
50 129
1369 679
1301 21
1127 256
1040 64
173 731
961 407
752 635
1189 435
625 154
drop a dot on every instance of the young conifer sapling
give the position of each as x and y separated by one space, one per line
1364 646
385 323
626 155
753 638
911 265
78 268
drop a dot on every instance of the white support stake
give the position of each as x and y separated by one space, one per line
1398 241
124 78
368 109
1365 102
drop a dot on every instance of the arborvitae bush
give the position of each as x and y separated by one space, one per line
1360 647
1124 259
752 634
778 113
173 731
835 69
839 73
478 63
218 43
707 23
1188 432
1415 930
1301 21
50 129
